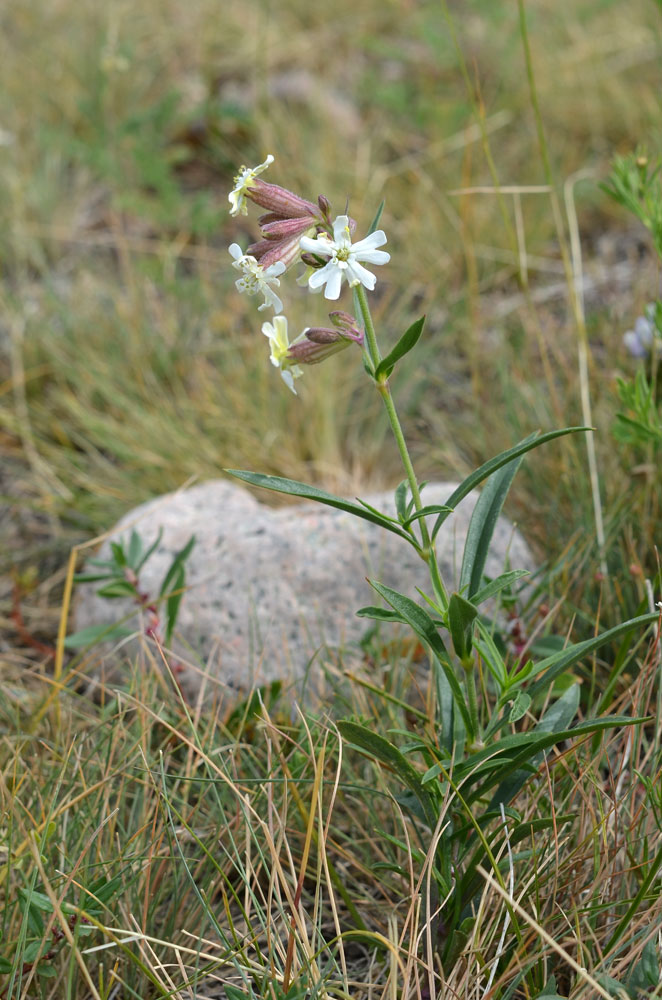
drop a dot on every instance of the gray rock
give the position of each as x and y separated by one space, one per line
270 589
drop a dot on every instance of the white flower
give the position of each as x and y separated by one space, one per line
280 345
344 258
257 278
242 183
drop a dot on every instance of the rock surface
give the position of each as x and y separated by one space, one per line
269 589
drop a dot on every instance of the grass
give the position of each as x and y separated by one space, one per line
152 849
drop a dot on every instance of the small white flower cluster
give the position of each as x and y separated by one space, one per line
257 279
292 227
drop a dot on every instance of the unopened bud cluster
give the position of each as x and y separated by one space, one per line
294 230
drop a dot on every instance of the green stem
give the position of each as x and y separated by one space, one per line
427 550
370 335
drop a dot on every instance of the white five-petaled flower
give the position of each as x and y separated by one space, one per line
280 345
242 183
257 278
345 258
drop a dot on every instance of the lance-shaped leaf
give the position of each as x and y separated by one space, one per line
435 508
400 497
426 630
498 584
485 470
482 524
552 666
383 751
408 340
377 218
517 758
173 586
295 489
380 614
461 617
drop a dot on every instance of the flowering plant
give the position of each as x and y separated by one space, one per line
636 184
474 764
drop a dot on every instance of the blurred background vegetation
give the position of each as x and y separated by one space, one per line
128 362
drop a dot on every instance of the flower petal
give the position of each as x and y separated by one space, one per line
322 246
373 256
358 275
288 379
341 232
333 284
321 276
371 242
271 300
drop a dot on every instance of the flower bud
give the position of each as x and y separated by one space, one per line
279 200
315 345
345 323
312 260
321 335
324 206
281 241
278 228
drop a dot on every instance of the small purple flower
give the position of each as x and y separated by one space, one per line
639 341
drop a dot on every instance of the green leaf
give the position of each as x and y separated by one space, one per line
554 665
516 760
482 524
408 340
118 588
135 549
149 551
491 655
524 831
485 470
176 568
434 508
96 633
426 630
461 617
557 717
646 974
46 971
400 496
234 993
104 889
608 983
498 584
109 564
94 577
118 553
520 706
549 991
377 219
33 950
292 488
375 510
383 751
178 585
380 614
41 901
